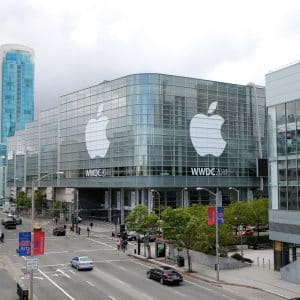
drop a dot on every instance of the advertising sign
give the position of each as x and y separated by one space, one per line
220 215
24 243
39 242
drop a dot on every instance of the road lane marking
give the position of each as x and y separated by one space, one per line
56 252
62 272
112 298
180 294
91 284
56 285
101 243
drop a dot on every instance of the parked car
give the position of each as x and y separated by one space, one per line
10 223
59 231
164 275
249 231
132 236
82 263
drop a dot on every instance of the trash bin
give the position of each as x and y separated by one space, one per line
180 261
22 291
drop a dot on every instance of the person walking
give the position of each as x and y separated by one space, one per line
88 231
79 230
118 244
2 237
56 220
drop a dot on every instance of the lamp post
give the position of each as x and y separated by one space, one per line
238 192
184 202
3 177
36 181
158 194
218 197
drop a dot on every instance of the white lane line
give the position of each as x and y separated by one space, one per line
56 252
180 294
111 297
91 284
101 243
62 272
56 285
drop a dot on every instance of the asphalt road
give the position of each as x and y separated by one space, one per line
115 276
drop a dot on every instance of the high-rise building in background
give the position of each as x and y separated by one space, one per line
16 96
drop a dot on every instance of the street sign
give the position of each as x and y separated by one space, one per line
31 264
25 243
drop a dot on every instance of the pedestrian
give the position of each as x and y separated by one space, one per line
79 230
91 225
88 231
56 220
118 244
2 237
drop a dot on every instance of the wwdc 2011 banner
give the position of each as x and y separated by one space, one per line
209 171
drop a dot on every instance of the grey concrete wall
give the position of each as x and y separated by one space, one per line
291 272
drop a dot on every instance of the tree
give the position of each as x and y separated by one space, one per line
257 211
40 201
184 228
236 214
23 201
143 223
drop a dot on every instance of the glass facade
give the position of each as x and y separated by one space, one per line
135 133
16 95
285 130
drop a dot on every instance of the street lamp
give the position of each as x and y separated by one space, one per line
218 199
238 192
36 181
158 194
184 202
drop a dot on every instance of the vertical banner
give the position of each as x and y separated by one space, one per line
211 215
39 242
25 243
221 215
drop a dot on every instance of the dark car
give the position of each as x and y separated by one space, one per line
59 231
17 219
164 275
10 224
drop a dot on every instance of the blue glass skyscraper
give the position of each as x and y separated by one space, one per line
16 94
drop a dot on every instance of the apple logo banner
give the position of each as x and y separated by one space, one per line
205 132
95 135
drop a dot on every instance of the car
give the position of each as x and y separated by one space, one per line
82 263
37 227
247 232
17 219
59 231
132 236
165 275
10 224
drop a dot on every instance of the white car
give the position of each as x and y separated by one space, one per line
82 263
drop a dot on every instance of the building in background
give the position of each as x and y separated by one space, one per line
149 139
16 96
283 104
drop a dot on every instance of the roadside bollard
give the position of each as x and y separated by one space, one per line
257 261
269 264
263 262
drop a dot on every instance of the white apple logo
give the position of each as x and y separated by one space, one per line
205 132
95 135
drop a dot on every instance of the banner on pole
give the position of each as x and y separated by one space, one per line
212 215
25 243
39 243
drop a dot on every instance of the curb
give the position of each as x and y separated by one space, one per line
204 278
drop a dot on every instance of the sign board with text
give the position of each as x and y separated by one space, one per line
31 264
212 215
25 243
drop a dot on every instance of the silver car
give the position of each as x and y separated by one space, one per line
82 263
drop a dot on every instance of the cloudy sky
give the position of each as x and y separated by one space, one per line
79 43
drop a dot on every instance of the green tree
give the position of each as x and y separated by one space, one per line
257 211
40 201
184 228
236 214
143 223
23 201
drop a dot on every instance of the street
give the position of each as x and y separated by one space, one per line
115 275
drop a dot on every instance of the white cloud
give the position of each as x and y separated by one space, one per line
79 43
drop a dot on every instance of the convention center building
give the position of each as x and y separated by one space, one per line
151 139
